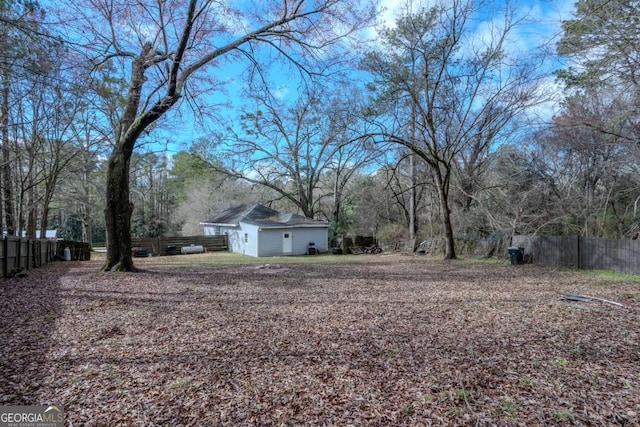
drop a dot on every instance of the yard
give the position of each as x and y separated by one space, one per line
218 339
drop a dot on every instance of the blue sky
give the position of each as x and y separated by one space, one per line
541 26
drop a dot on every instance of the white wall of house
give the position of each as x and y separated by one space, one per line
271 240
241 240
319 236
213 230
250 240
235 240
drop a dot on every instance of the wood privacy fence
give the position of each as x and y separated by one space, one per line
171 245
590 253
17 254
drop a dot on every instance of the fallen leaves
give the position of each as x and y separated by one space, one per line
388 342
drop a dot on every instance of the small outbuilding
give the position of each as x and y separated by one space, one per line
260 231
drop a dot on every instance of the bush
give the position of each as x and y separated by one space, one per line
392 232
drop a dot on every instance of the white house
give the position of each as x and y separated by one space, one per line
260 231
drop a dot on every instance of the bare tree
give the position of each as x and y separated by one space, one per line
162 47
600 47
304 152
522 191
18 22
464 91
595 167
36 123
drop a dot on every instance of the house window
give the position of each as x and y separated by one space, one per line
246 237
217 231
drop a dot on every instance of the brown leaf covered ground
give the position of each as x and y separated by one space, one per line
384 340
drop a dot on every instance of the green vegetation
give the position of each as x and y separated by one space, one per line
607 277
230 258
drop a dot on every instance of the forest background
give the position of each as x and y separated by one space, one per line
459 120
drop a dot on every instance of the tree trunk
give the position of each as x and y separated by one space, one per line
44 222
85 208
85 214
118 208
6 157
87 235
50 186
412 202
118 213
412 178
337 199
442 182
32 212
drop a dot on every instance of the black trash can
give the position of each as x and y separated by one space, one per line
311 249
172 250
516 255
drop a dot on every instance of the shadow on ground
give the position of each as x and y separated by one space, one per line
29 307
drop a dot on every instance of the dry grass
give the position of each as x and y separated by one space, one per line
209 340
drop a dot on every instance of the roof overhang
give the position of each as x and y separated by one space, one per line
292 226
217 224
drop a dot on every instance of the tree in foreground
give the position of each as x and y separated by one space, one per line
169 51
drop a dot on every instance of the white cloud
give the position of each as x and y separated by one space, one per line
389 12
551 90
393 9
281 92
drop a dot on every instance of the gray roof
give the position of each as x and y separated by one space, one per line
262 216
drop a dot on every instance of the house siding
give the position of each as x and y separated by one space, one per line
209 230
303 236
253 241
235 238
270 240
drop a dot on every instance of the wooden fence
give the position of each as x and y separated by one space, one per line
157 246
18 254
590 253
80 251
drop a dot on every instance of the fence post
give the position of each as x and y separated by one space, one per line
579 251
18 253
